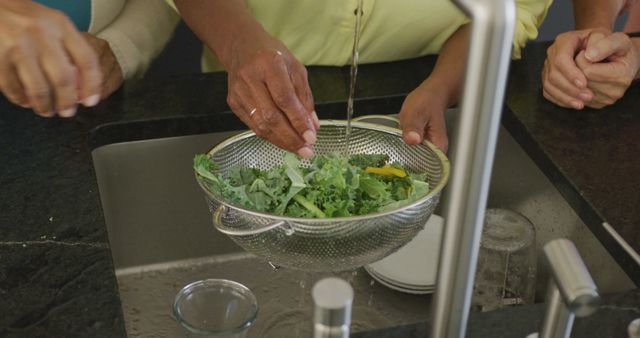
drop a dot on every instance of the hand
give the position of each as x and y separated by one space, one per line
563 82
269 92
111 72
422 114
44 62
610 64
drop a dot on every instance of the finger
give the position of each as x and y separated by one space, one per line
35 85
285 138
300 81
109 76
107 64
10 85
417 122
557 96
272 124
560 56
113 82
606 94
566 67
241 105
87 63
603 72
595 36
609 72
555 79
62 77
436 131
614 44
284 96
596 104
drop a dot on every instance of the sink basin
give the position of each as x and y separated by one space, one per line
162 239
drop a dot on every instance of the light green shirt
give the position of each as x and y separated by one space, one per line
320 32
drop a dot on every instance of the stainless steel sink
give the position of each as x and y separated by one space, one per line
162 238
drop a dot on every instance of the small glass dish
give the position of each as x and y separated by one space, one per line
215 308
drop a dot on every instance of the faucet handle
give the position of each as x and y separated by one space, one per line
572 278
571 290
634 328
332 298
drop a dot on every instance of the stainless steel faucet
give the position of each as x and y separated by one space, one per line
492 29
571 290
332 299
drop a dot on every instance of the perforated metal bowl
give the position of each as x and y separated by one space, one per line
328 244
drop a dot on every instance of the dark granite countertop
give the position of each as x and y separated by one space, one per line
56 273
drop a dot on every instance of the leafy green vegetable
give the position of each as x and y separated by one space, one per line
332 186
368 160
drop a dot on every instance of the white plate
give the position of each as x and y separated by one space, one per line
380 280
397 286
415 264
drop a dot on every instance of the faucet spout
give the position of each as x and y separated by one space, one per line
492 29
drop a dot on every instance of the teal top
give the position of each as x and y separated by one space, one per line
79 11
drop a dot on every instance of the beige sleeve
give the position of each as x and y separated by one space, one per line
139 34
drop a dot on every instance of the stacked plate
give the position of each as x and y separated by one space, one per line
413 268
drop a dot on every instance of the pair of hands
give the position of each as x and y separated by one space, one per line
589 68
269 92
47 65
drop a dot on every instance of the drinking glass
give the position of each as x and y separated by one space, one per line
215 308
506 267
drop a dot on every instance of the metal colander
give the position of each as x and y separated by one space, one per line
329 244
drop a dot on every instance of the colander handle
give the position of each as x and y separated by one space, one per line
391 118
219 224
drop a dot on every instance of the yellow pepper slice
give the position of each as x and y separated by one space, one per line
387 170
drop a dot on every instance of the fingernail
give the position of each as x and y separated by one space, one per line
24 105
316 121
69 112
309 136
591 54
305 152
576 104
413 137
578 83
46 114
585 96
91 100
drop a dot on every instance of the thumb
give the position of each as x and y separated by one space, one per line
412 120
581 61
418 122
600 49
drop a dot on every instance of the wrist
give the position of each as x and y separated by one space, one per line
636 45
591 14
438 93
443 88
230 44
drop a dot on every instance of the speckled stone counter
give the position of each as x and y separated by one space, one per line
591 156
56 273
611 321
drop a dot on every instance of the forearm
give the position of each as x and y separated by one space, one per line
633 21
220 23
447 75
596 13
636 45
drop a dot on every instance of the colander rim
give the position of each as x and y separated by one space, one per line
434 191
